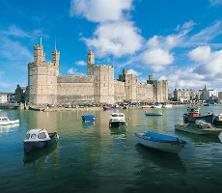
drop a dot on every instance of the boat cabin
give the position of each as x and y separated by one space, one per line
37 135
193 111
4 119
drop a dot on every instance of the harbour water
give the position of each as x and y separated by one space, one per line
93 158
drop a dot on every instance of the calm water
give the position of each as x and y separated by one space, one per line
97 159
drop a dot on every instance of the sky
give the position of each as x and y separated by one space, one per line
177 40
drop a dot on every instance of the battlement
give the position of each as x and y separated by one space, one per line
76 79
104 66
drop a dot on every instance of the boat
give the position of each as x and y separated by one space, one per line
160 142
200 127
157 106
218 120
167 106
193 114
117 120
4 121
38 139
146 106
107 108
88 118
153 113
206 104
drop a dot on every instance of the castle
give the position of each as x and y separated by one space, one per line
47 86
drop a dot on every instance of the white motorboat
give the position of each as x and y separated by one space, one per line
38 139
4 121
117 120
160 142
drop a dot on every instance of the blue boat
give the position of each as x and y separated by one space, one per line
160 142
88 118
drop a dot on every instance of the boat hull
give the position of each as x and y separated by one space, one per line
117 124
38 145
193 130
171 147
5 123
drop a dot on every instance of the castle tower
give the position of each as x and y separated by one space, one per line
130 85
42 78
55 56
104 84
90 62
39 53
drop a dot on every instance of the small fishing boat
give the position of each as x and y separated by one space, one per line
38 139
167 106
153 113
88 118
5 121
218 120
193 114
117 120
146 106
160 142
200 127
157 106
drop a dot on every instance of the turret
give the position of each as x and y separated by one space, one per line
55 57
38 54
90 62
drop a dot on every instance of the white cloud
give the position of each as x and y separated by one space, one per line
72 71
132 71
157 58
184 78
200 54
80 63
210 62
205 36
116 38
216 2
13 30
100 10
14 51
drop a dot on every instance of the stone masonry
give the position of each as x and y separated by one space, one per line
47 86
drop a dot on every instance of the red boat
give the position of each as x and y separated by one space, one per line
193 114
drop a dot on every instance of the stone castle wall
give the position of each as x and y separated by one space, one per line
144 92
119 91
46 86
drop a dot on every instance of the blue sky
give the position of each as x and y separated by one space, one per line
177 40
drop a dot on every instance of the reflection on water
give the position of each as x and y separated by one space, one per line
199 138
160 159
88 124
8 128
39 155
96 158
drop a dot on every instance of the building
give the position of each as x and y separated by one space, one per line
47 86
209 93
3 98
186 95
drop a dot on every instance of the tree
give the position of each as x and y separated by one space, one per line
19 95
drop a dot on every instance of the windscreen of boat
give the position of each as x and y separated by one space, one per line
114 115
42 135
121 115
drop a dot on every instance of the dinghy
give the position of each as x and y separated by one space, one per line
160 142
88 118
